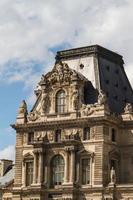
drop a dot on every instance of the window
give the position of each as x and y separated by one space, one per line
60 101
30 137
113 135
57 169
86 133
58 135
29 173
85 171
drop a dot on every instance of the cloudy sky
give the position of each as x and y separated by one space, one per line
31 31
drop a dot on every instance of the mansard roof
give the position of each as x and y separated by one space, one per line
7 178
88 50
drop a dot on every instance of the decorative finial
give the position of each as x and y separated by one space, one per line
22 113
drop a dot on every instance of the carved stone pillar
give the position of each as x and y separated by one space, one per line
72 168
40 168
24 174
35 169
66 176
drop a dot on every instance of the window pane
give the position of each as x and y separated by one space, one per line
85 171
60 102
86 133
57 167
29 173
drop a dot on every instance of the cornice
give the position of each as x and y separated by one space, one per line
68 123
88 50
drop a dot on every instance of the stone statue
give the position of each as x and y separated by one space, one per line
102 98
86 110
23 108
112 175
45 102
75 100
33 116
128 108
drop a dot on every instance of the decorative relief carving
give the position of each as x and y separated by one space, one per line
50 135
93 133
70 134
61 73
86 110
34 115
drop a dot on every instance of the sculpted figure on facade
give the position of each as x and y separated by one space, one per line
23 108
128 108
34 115
102 98
75 100
45 102
112 176
86 110
61 73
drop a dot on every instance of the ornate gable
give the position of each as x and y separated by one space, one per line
61 74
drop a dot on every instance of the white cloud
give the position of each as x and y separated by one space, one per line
29 29
8 152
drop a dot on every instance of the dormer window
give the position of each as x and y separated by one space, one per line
60 101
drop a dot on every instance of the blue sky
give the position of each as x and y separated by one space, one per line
32 31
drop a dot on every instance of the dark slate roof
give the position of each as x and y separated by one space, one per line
7 178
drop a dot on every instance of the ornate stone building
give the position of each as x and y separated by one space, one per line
77 141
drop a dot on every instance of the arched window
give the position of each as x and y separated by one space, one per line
60 101
57 169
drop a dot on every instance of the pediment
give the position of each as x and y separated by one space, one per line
86 152
28 156
60 74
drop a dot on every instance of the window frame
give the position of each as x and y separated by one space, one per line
88 133
29 177
90 170
60 102
30 138
57 170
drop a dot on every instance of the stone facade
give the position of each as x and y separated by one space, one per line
75 144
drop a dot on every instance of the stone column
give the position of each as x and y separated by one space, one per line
40 168
24 174
35 168
72 168
66 168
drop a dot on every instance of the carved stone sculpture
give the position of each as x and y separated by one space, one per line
102 98
22 113
33 116
45 102
128 108
23 108
112 176
75 100
86 110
